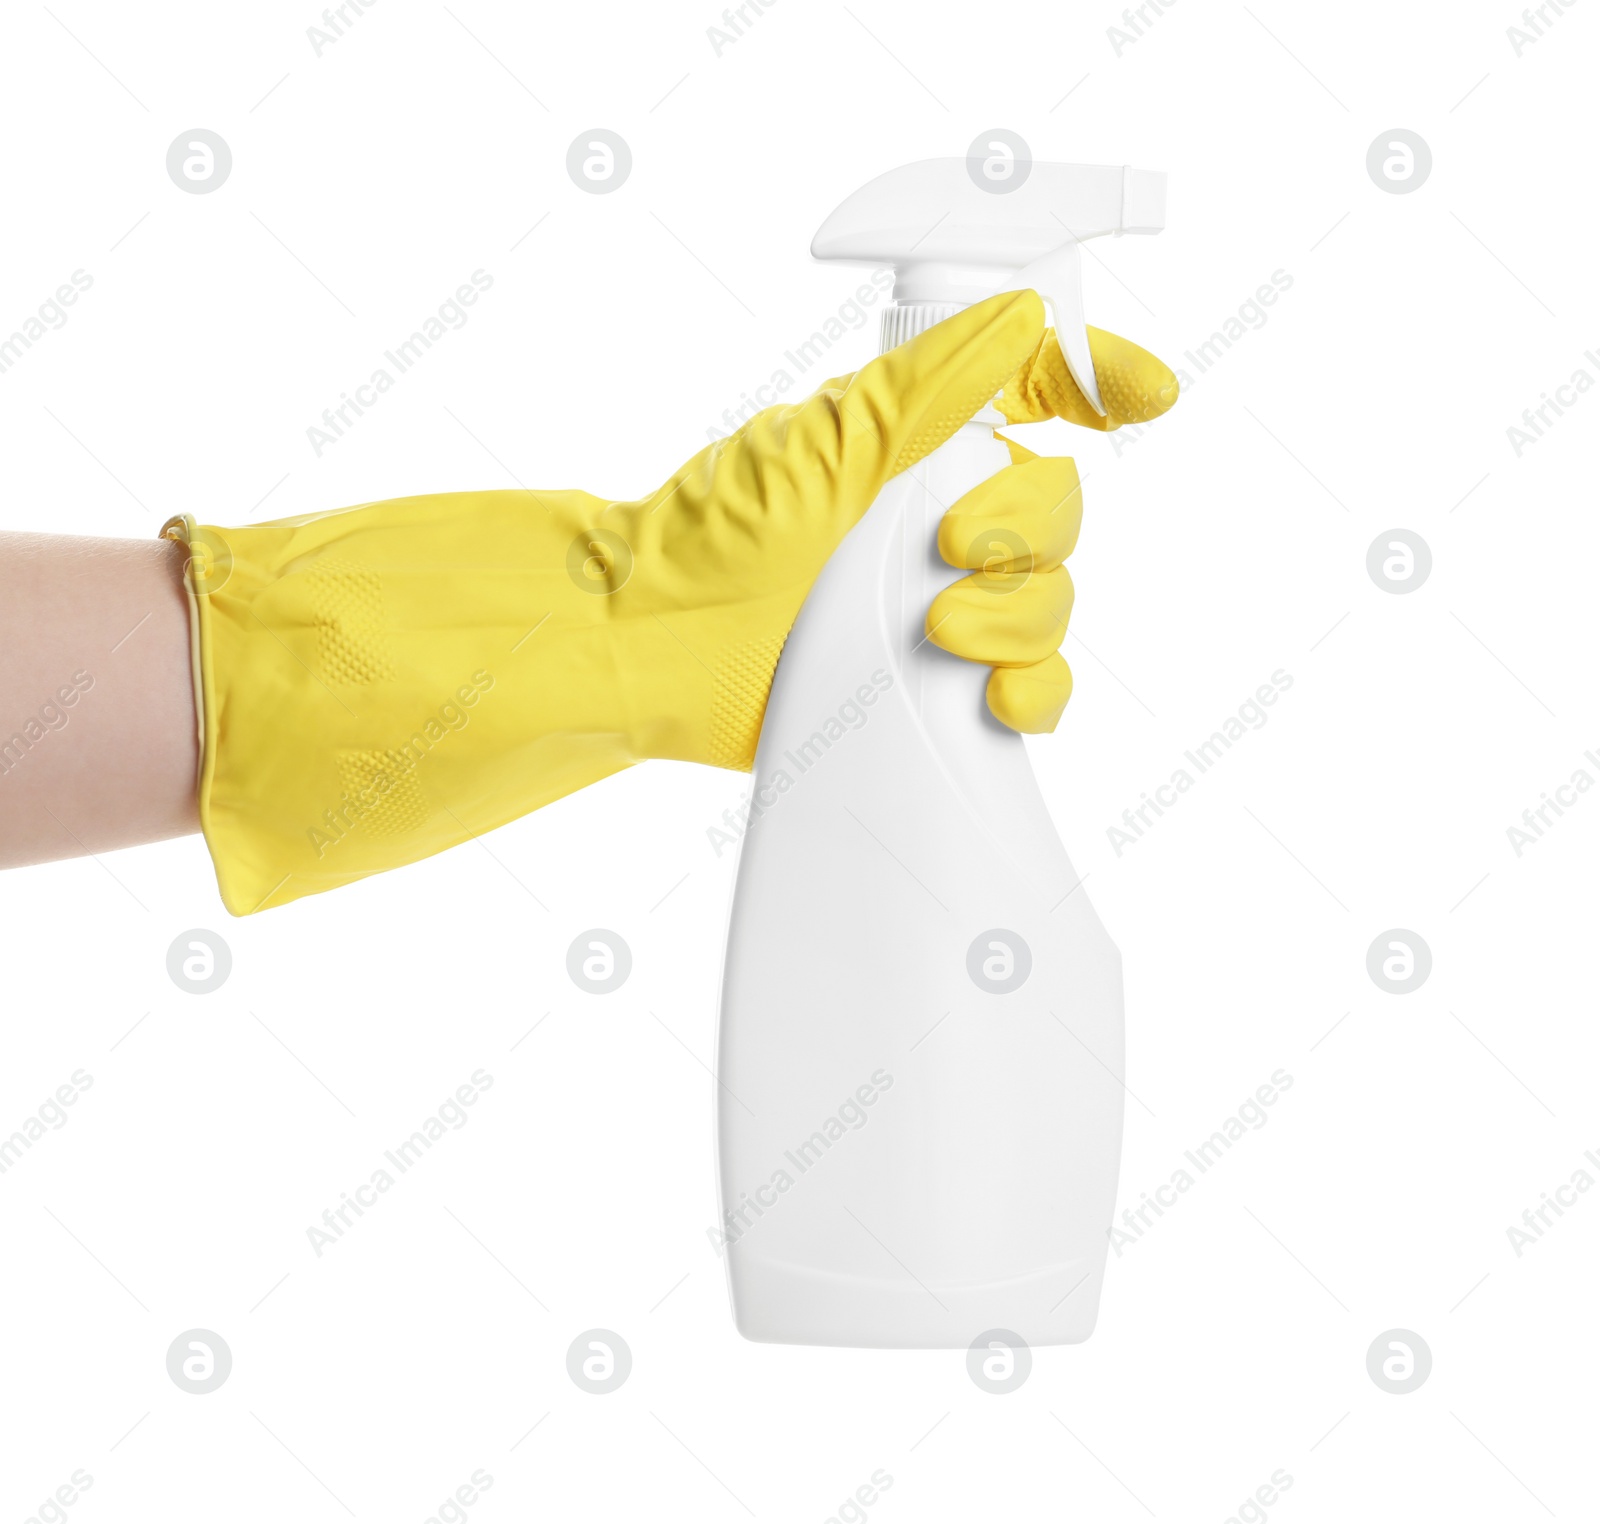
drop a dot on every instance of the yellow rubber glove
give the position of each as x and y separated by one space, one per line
382 682
1019 526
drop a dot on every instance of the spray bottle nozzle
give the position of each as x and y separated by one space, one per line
952 240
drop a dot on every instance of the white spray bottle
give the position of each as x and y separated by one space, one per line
921 1048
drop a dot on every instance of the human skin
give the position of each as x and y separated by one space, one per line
98 745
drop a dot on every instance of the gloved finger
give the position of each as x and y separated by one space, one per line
905 404
811 469
1134 385
1002 619
1024 518
1031 699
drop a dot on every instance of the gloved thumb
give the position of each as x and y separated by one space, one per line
903 405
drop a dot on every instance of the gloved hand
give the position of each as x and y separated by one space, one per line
1017 528
381 682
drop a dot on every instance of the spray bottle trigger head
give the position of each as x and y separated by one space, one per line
1058 278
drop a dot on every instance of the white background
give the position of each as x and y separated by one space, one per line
1229 541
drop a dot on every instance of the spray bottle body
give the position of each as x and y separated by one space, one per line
921 1046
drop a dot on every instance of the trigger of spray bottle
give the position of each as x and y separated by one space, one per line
1058 278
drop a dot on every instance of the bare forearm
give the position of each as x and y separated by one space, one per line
97 719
